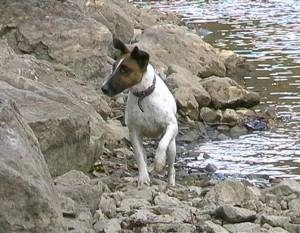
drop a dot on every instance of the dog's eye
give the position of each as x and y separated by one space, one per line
124 69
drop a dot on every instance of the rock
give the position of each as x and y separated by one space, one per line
108 225
132 203
29 202
173 227
78 186
116 134
294 205
208 115
211 168
214 228
164 199
226 93
236 66
61 32
231 117
169 44
237 131
233 214
277 230
275 221
182 79
108 206
68 206
69 130
82 224
292 228
285 188
245 227
114 17
230 192
186 103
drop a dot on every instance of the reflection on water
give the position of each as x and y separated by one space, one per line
267 32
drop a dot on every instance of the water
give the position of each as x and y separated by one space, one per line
266 32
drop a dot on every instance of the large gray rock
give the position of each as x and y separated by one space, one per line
226 93
171 44
58 31
28 201
57 108
275 221
214 228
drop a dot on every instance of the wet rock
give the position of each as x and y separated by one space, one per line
78 186
214 228
285 188
256 124
170 44
237 131
108 225
208 115
275 221
211 168
69 130
226 93
231 192
231 117
245 227
235 214
25 181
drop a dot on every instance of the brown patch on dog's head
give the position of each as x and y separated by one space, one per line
127 71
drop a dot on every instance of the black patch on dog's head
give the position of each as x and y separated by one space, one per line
118 44
141 57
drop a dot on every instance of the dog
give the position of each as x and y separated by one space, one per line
150 109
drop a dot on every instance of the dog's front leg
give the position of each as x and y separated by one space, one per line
140 158
160 156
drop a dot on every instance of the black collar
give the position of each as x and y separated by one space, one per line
142 94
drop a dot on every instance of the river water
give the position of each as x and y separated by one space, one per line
266 32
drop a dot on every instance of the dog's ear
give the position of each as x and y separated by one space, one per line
118 44
141 57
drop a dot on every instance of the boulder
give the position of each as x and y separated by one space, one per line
55 105
226 93
29 202
208 115
230 117
60 32
170 44
113 16
231 192
234 214
78 186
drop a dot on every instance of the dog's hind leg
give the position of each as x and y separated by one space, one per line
160 156
171 152
140 158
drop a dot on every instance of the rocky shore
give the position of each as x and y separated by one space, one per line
66 163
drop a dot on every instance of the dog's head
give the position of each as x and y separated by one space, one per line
127 71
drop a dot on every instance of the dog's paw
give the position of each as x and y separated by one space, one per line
143 179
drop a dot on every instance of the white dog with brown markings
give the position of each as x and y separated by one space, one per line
150 109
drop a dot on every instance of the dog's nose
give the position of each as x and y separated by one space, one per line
105 89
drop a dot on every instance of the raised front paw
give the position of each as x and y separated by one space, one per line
143 179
